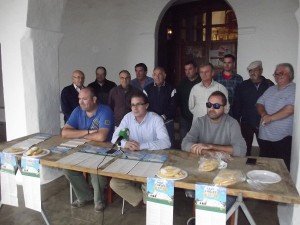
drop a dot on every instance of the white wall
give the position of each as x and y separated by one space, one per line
115 34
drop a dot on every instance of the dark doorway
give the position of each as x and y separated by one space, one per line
201 30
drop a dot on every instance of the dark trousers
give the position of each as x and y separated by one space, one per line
248 132
277 149
185 126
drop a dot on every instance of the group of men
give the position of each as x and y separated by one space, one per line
218 113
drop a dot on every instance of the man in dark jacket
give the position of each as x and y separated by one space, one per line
101 85
69 95
245 98
162 100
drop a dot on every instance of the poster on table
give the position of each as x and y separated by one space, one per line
160 201
210 205
30 169
9 192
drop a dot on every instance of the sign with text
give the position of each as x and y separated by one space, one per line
210 205
160 201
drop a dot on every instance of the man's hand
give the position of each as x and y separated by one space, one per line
198 148
132 145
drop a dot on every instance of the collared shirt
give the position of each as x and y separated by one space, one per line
151 133
199 96
226 132
119 101
230 84
77 88
273 100
103 118
135 83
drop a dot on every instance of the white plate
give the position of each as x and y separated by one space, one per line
264 176
184 175
8 151
45 152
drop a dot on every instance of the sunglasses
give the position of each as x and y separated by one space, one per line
215 105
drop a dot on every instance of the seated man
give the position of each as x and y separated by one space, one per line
215 132
147 132
93 122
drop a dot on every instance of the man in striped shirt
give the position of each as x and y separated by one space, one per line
276 109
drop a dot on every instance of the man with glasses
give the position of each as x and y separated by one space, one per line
276 109
214 132
69 95
146 132
201 91
94 122
246 95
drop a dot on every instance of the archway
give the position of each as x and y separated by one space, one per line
201 30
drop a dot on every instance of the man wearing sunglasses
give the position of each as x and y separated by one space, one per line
216 131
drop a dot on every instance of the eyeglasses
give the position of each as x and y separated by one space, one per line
278 74
138 104
215 105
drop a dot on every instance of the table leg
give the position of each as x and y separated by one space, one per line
234 209
44 217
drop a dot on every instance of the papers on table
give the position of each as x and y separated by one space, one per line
160 201
66 146
74 143
134 167
85 160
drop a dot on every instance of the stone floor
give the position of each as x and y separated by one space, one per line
55 201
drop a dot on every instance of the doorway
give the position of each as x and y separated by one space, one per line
203 31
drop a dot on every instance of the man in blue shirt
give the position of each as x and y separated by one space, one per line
141 80
93 122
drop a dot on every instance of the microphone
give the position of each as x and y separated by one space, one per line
123 134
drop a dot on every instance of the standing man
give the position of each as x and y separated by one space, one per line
147 132
200 92
229 78
119 97
93 122
141 80
162 100
246 95
101 85
183 94
276 109
69 95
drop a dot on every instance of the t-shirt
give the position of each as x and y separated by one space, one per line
103 118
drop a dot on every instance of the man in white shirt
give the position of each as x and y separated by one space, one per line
200 92
147 132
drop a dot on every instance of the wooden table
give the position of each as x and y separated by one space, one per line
283 192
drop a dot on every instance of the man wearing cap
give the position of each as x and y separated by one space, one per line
245 98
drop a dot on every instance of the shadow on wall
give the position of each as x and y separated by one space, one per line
2 131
